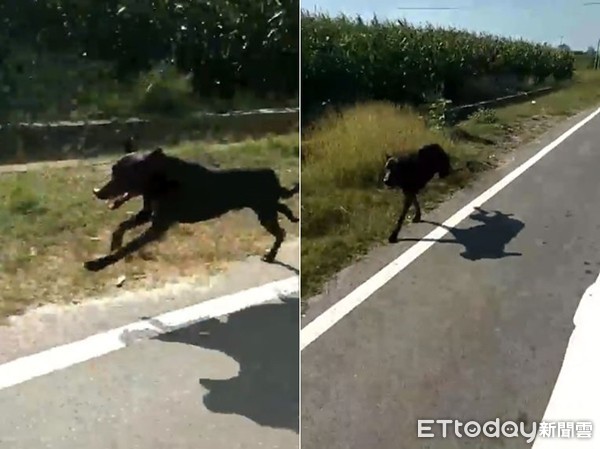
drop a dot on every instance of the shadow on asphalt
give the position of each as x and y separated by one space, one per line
264 340
287 266
487 240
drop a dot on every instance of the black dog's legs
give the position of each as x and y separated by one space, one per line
151 234
417 218
287 212
270 222
408 200
138 219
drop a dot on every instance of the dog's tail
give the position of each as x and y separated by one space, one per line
285 193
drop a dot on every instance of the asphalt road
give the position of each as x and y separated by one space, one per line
223 383
476 328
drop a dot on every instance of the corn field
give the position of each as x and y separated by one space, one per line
225 44
347 59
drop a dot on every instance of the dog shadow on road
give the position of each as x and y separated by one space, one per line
264 340
287 266
487 240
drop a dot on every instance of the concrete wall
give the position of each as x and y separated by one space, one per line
25 142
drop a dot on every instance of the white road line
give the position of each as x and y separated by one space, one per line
339 310
60 357
576 394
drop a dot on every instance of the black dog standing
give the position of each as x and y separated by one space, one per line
411 173
177 191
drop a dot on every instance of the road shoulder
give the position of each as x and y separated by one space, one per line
51 325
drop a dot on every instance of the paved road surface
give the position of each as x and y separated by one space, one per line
229 382
474 329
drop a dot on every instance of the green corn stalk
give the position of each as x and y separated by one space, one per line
344 59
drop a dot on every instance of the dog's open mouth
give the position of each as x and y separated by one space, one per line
117 202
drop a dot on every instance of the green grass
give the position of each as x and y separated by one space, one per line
345 212
50 224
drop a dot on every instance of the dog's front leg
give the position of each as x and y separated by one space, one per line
138 219
408 200
153 233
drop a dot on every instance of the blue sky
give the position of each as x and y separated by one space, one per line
576 24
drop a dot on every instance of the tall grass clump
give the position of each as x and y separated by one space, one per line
345 60
348 150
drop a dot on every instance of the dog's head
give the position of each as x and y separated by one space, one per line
391 171
133 175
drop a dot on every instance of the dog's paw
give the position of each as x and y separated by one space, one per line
116 244
417 219
94 265
268 258
393 238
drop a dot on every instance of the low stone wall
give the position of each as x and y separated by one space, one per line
27 142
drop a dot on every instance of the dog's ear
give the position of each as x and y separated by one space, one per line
388 156
160 184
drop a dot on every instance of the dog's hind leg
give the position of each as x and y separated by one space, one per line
287 212
417 218
269 220
408 200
